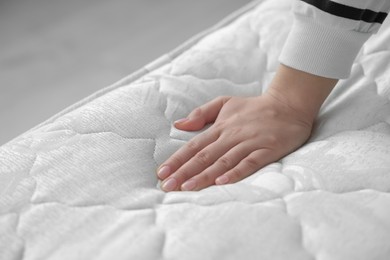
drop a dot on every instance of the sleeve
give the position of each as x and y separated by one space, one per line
326 36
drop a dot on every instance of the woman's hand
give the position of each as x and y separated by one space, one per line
247 134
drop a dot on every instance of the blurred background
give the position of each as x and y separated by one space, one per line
54 53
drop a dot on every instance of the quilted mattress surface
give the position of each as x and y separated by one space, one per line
82 185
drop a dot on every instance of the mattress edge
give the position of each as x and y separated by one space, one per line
149 67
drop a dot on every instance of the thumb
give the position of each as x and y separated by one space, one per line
202 115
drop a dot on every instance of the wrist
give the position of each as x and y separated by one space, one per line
301 91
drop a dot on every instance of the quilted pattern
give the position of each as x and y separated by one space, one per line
82 185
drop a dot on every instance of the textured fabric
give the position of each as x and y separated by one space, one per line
336 29
82 185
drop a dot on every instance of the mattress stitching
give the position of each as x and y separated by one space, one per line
112 132
164 239
144 71
17 231
156 204
24 208
300 225
162 202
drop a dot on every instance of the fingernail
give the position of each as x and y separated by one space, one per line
222 180
169 185
164 172
189 185
181 120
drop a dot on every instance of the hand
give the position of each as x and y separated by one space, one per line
248 134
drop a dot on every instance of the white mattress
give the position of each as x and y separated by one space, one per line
82 185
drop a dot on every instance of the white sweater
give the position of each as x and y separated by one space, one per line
326 36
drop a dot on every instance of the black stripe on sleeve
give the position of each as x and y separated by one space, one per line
349 12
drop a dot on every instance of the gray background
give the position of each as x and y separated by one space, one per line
54 53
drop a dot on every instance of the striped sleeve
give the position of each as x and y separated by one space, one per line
326 36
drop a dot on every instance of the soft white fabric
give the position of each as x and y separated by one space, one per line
82 185
322 50
324 44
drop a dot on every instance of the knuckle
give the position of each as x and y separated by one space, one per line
205 179
236 174
198 111
203 157
182 175
225 163
193 146
273 140
176 160
213 134
220 125
235 131
252 162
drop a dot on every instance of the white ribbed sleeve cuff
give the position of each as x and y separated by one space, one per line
320 49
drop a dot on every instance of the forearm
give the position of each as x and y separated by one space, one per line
302 91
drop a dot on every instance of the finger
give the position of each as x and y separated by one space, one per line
186 152
249 165
224 164
202 115
203 160
196 164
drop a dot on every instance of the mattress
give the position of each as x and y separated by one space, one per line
82 185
